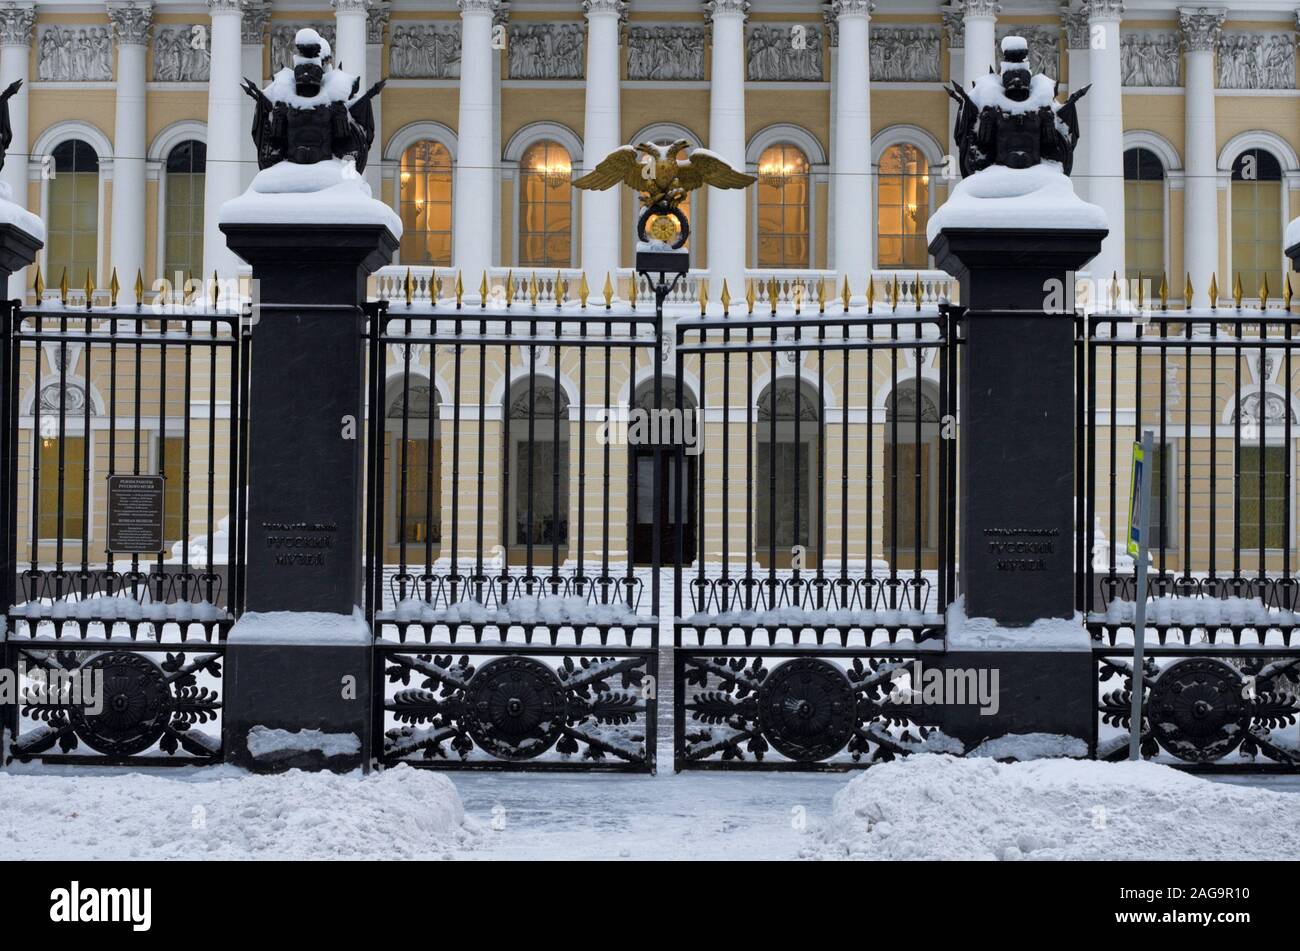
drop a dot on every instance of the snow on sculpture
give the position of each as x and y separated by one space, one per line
10 213
313 129
1016 145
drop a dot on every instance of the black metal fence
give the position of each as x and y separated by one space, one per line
1215 389
120 421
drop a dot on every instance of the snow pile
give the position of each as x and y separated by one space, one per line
18 216
223 813
198 546
985 634
526 609
300 627
267 742
1292 236
1029 746
940 807
1199 612
795 616
324 193
1040 197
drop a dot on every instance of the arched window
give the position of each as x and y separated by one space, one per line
546 206
425 200
904 208
537 482
1144 214
911 523
183 224
1257 220
414 457
72 231
662 510
783 207
787 439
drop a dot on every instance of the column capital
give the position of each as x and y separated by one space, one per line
17 21
954 25
713 7
835 10
350 6
598 7
1104 11
218 7
376 24
1201 26
981 9
252 29
1077 34
131 23
468 7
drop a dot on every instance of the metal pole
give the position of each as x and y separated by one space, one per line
1140 593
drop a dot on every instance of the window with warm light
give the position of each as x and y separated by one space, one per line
425 204
783 207
72 230
1257 220
546 206
1144 214
904 208
183 245
62 475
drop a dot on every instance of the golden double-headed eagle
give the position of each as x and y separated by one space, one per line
660 175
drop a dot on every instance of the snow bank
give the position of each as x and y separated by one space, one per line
794 616
300 627
1199 612
1292 236
985 634
1029 746
526 609
940 807
223 813
18 216
1040 197
265 742
326 193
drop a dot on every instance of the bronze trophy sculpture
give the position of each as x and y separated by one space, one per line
311 111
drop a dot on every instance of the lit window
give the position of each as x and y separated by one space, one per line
782 207
904 207
546 207
66 468
183 246
425 187
1257 221
72 231
1144 214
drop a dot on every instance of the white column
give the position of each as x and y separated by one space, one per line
16 23
601 134
376 24
954 28
1201 28
1104 138
726 229
473 180
350 37
252 32
225 134
1080 64
855 230
981 53
131 25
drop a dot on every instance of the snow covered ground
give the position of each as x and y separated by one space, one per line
923 807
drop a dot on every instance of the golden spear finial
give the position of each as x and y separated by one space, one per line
631 292
460 290
1238 292
139 288
771 294
532 289
1114 291
609 291
38 285
1164 291
483 291
113 288
821 296
893 294
408 286
916 292
750 297
1142 295
561 287
1188 291
846 295
797 293
63 288
216 290
90 289
1214 292
1286 293
510 287
1263 292
584 290
704 295
726 299
871 293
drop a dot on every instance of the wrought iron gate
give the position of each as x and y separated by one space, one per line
120 420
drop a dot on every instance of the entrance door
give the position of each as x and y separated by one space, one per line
647 513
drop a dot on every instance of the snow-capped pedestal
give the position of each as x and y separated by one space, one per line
324 194
22 235
1037 198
